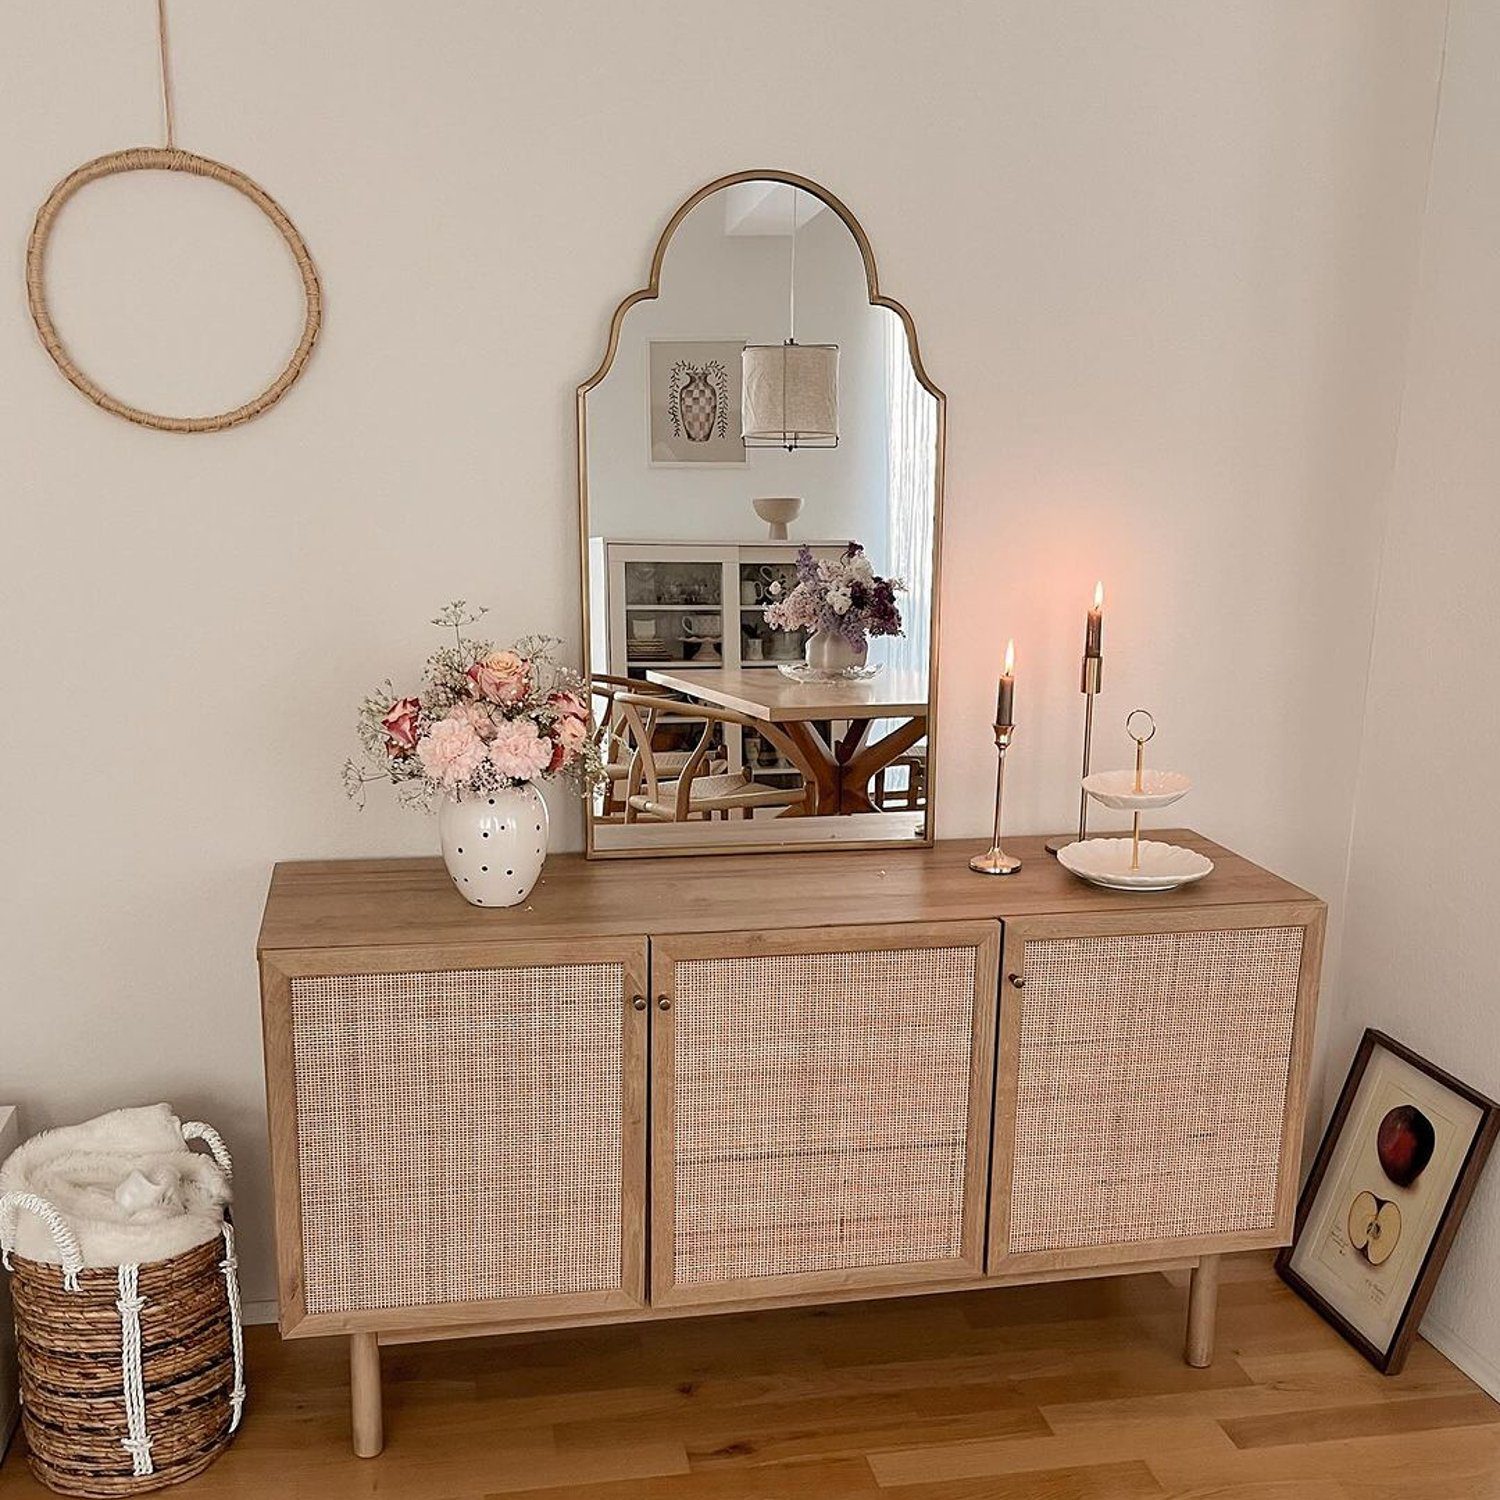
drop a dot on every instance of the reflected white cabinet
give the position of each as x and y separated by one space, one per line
659 604
698 605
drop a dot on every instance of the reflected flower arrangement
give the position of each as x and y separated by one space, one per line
843 594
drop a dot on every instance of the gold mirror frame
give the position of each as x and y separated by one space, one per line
649 293
168 159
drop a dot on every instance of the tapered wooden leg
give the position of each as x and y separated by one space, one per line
364 1394
1203 1305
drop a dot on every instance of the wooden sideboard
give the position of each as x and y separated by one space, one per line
668 1088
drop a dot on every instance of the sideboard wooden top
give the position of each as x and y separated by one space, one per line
359 903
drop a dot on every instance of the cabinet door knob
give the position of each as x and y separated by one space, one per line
1018 980
663 1002
639 1001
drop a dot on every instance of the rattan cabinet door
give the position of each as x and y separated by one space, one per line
820 1109
1150 1085
458 1134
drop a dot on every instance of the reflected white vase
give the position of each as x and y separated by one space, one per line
828 651
495 844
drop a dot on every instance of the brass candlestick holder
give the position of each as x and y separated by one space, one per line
995 861
1090 681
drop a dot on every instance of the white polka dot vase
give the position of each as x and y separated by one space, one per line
494 844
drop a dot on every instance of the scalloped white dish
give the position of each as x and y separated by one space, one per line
799 671
1106 862
1116 789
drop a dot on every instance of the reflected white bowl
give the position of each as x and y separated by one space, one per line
1106 862
1116 789
778 511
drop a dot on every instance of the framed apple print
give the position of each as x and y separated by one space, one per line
1397 1166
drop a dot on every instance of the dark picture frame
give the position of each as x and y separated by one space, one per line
1387 1354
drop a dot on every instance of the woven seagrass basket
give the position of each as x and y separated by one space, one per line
132 1377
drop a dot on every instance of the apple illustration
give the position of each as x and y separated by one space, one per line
1374 1227
1404 1144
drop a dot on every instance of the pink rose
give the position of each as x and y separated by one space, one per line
569 704
400 725
451 751
571 733
502 677
519 751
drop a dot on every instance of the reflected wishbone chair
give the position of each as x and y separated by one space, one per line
615 749
649 796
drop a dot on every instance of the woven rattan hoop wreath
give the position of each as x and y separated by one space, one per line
168 159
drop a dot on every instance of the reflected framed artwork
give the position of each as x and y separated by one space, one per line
1397 1166
694 395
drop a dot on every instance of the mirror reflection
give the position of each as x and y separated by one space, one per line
761 474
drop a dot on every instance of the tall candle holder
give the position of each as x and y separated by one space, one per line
1091 679
995 861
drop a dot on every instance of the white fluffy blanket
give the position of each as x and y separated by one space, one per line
129 1186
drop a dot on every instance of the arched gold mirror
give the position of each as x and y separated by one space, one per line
760 482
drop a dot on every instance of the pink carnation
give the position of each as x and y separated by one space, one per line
519 751
450 751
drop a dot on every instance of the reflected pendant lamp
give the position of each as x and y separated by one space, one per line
790 391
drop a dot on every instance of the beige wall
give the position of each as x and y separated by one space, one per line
1160 255
1424 887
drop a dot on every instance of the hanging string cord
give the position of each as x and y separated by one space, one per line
166 74
791 316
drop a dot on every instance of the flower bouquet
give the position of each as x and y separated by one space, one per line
486 726
841 603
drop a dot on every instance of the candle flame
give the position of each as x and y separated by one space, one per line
1010 657
1099 594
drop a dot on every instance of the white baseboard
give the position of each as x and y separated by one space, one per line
1480 1368
259 1312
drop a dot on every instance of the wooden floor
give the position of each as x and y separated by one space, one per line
1074 1391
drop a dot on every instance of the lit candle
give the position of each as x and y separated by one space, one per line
1005 702
1093 641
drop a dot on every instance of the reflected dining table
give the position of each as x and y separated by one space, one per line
844 764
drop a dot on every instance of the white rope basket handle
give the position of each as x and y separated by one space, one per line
63 1237
196 1130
